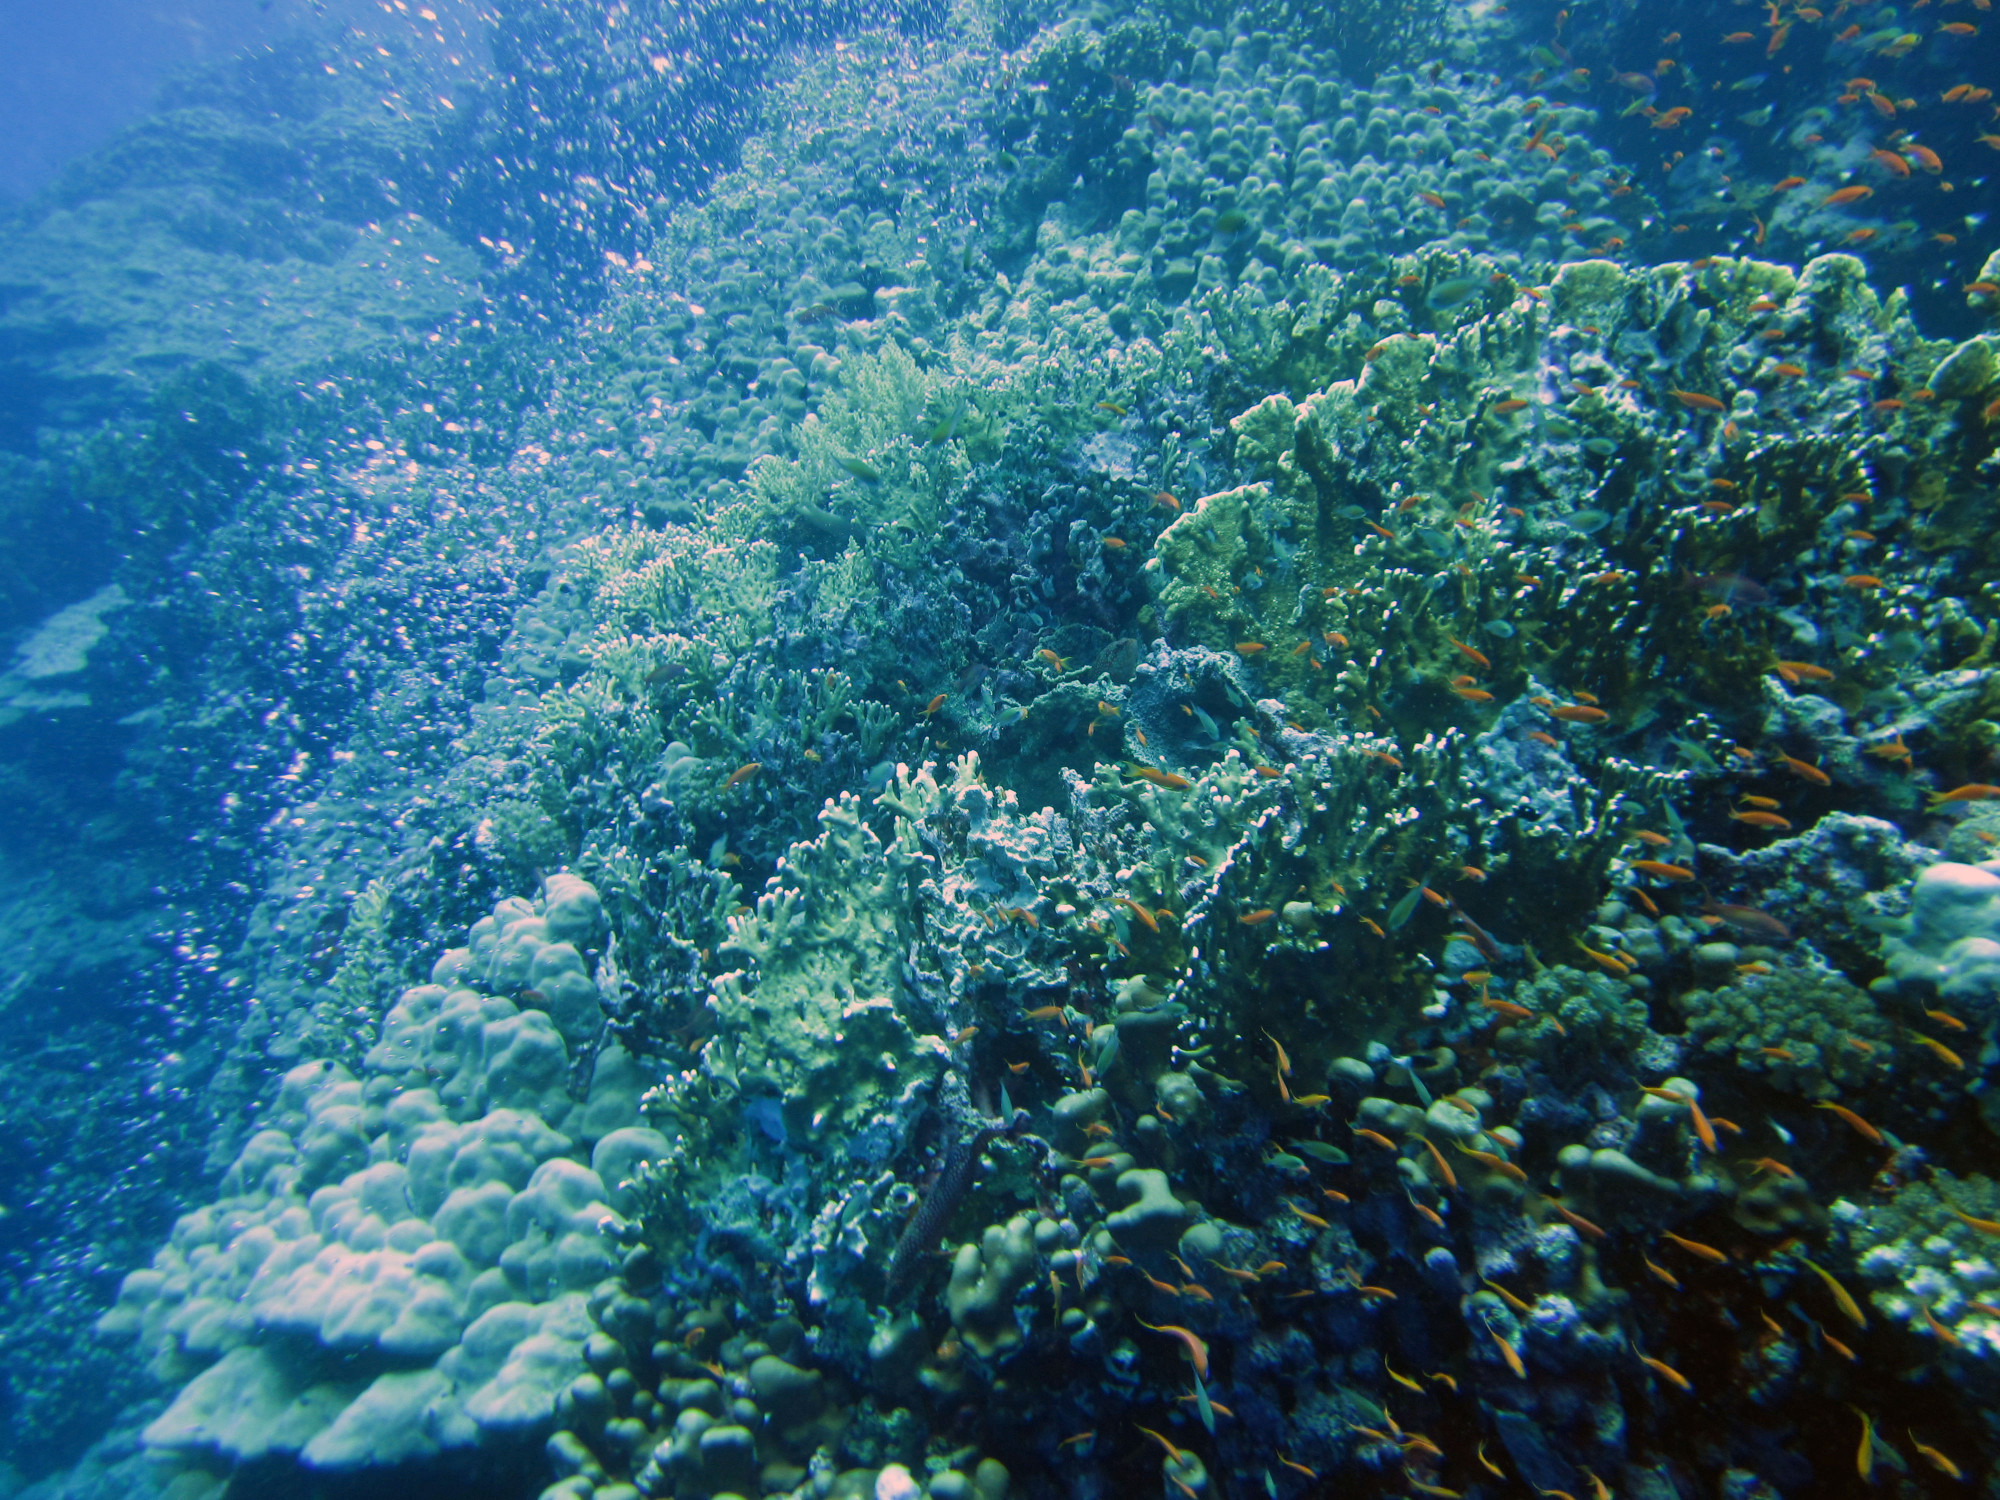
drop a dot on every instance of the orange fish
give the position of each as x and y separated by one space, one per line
1696 401
1785 185
1197 1350
1852 194
1579 713
1661 1367
1662 1272
1936 1459
1943 1053
1144 916
1443 1166
1173 1453
1866 1130
1703 1129
1494 1163
1972 792
1472 654
1760 819
1984 1226
1661 870
1576 1221
1611 963
1804 769
1695 1247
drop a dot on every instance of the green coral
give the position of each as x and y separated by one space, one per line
719 582
1203 556
1591 1007
1808 1031
813 1037
878 460
345 1018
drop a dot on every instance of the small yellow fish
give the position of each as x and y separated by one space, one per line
1849 1308
1661 1367
1984 1226
1939 1050
1936 1459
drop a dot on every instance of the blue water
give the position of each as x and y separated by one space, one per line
1449 531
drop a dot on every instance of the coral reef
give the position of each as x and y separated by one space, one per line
1222 794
